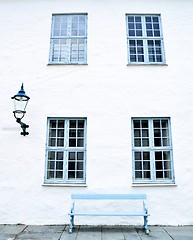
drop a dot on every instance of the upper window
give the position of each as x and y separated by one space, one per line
66 150
145 39
68 42
152 150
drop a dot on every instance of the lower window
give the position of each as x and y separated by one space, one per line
66 150
152 150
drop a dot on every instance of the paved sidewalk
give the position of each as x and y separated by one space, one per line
60 232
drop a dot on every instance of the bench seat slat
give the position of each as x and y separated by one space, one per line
109 214
109 196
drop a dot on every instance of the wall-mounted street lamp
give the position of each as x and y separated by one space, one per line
20 104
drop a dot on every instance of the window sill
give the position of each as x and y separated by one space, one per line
64 185
68 64
148 64
154 185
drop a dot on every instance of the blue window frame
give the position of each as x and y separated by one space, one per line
68 41
152 150
145 39
66 150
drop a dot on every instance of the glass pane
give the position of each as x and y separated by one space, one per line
131 33
133 58
137 133
165 133
60 142
140 58
80 156
59 174
51 165
132 43
159 174
138 33
72 123
156 123
168 174
80 133
145 142
144 123
167 165
80 166
71 165
146 155
79 174
147 175
137 155
137 19
72 142
59 156
131 26
59 165
60 133
72 133
158 155
51 155
137 142
80 143
155 19
148 19
136 123
50 174
52 123
80 123
138 165
71 156
159 165
52 142
166 142
71 174
145 133
52 133
157 142
164 123
60 123
166 155
146 165
157 133
138 174
130 19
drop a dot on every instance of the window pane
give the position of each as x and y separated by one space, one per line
137 142
71 156
59 174
72 142
80 156
80 174
71 166
59 165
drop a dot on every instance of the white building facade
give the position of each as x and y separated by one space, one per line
110 109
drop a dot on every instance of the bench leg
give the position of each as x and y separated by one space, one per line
146 224
71 224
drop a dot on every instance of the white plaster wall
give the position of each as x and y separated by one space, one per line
107 92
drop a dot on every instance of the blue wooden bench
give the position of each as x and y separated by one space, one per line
141 197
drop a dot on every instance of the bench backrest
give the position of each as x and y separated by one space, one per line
109 196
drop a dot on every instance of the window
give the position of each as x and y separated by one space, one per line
68 43
145 39
66 150
152 150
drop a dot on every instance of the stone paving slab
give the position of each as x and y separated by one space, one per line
60 232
